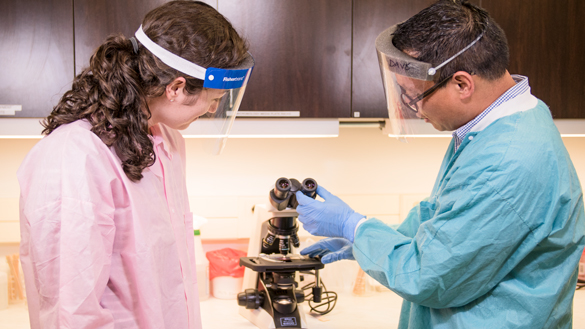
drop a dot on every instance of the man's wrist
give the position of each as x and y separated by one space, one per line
350 226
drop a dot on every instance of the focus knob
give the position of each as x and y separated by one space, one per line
251 299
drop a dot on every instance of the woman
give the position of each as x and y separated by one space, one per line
107 235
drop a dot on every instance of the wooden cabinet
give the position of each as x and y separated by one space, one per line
370 18
545 40
96 20
546 45
314 57
36 55
302 50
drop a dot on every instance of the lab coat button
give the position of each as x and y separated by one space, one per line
470 138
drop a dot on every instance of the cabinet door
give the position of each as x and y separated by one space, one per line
546 45
370 18
302 50
36 55
95 20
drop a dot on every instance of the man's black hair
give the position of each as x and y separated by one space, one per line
442 30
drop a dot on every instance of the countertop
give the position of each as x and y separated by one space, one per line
379 310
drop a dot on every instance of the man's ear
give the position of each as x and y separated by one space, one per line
174 89
464 83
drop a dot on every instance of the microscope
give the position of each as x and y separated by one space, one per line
271 298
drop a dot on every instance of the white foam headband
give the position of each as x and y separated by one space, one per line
167 57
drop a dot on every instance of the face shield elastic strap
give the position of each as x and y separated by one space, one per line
212 77
433 70
411 102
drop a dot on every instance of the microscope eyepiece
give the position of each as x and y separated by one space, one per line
282 196
283 184
282 187
309 187
309 184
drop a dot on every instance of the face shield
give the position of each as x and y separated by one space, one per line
407 82
231 81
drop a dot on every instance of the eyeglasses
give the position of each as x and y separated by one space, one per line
410 102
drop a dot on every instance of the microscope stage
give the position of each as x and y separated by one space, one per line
274 264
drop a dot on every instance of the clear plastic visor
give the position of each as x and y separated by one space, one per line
227 84
406 82
217 124
405 101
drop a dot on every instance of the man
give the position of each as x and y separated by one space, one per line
497 244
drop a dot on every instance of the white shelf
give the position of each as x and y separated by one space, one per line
30 128
23 128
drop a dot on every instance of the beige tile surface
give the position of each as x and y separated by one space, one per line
14 317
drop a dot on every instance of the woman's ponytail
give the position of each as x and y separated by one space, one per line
109 95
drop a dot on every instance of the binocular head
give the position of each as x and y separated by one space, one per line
283 196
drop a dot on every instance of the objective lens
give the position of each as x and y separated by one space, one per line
283 246
268 240
294 238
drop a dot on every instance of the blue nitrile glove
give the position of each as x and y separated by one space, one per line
330 250
331 218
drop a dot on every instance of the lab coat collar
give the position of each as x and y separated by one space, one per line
520 103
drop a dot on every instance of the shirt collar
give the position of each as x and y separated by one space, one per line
521 87
159 140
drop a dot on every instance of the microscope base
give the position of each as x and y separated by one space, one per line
261 319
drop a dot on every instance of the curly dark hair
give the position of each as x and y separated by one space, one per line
441 30
112 93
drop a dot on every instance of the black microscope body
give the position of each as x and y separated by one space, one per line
275 290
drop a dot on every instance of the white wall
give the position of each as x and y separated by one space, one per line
375 174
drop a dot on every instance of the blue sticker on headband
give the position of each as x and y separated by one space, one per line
224 79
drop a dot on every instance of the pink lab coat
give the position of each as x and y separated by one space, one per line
98 250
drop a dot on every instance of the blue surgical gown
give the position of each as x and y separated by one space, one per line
498 242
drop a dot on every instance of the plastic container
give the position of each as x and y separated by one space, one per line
202 266
226 287
3 290
225 272
5 277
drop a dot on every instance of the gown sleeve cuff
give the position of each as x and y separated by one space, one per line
358 225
